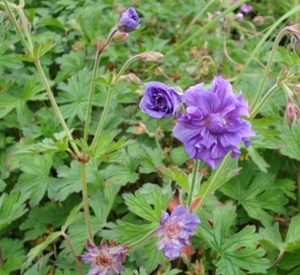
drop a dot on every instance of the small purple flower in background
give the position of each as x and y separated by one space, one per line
212 125
160 100
176 231
128 21
239 16
246 8
104 260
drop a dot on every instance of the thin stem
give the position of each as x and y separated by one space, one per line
17 27
85 201
267 70
102 119
280 255
261 43
194 177
73 252
91 95
256 108
142 239
107 102
25 23
211 187
55 106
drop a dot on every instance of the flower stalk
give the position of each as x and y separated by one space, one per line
194 180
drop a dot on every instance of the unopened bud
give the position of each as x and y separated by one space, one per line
120 37
292 112
132 78
297 47
140 128
152 57
100 46
239 16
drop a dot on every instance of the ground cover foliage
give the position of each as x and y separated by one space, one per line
60 186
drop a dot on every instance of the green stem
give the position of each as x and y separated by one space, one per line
107 102
55 106
267 70
73 252
263 40
91 95
280 255
143 239
93 84
211 187
17 27
25 23
194 177
85 200
256 108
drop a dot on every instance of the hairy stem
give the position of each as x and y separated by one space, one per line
210 188
194 179
85 200
73 252
55 107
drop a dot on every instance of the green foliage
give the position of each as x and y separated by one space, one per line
233 252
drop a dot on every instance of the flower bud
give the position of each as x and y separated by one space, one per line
239 16
292 113
132 78
297 47
128 21
120 37
152 57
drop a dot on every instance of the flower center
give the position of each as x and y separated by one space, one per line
216 123
161 102
103 260
173 231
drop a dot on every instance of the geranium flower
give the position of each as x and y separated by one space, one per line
160 100
128 21
176 231
212 125
104 260
246 8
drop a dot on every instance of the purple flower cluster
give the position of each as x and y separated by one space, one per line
176 229
104 260
212 124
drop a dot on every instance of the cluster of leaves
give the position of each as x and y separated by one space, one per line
251 222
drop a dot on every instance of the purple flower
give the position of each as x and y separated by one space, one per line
212 125
176 231
104 260
128 21
160 100
246 8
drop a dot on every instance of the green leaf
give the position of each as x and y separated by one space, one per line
151 159
271 237
176 175
235 252
35 177
257 194
292 239
34 252
179 156
40 267
258 159
7 103
291 145
12 207
139 203
74 95
13 255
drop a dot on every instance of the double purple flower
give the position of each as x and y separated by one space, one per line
128 21
160 100
213 125
176 231
104 260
